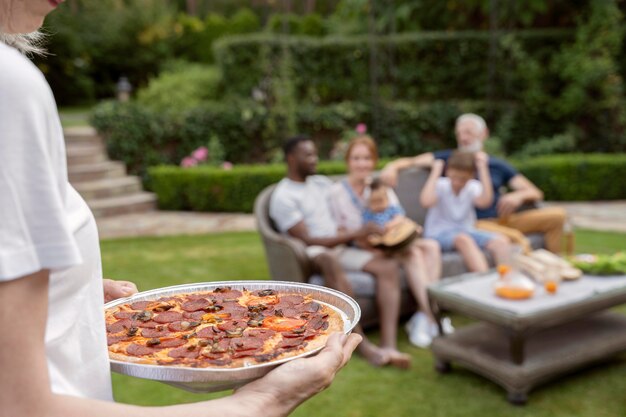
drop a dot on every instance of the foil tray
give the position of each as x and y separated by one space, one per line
202 380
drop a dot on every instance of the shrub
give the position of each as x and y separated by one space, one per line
310 25
562 143
102 41
137 136
180 89
142 137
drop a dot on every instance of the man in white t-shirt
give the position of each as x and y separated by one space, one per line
299 207
451 203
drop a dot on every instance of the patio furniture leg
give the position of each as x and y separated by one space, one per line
437 313
441 366
517 397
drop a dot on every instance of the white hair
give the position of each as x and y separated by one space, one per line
27 43
478 121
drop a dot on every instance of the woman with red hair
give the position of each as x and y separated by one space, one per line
421 262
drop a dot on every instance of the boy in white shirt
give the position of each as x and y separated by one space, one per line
451 217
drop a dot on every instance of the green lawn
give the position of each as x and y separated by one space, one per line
359 390
75 116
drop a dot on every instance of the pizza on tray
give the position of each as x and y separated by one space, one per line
224 328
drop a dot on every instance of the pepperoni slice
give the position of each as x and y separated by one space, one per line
223 345
140 305
216 351
232 325
317 322
311 307
151 333
291 343
119 325
195 305
244 353
232 307
177 326
189 352
168 317
282 324
124 314
292 299
290 312
135 349
111 340
209 331
196 315
246 343
263 334
227 294
173 342
147 324
298 333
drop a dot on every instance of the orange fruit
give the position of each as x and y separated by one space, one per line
503 269
513 293
550 286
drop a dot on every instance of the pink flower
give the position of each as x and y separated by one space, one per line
227 165
188 162
200 154
361 128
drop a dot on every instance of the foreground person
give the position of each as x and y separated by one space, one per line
51 288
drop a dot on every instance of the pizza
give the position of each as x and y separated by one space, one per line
225 327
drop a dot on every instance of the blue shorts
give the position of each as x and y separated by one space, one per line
446 238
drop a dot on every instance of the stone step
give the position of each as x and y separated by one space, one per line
109 187
85 154
134 203
95 171
82 135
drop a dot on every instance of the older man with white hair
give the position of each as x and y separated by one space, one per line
502 216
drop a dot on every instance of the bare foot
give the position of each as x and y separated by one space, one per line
373 354
399 359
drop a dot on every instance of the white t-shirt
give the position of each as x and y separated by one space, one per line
347 213
293 202
45 224
452 212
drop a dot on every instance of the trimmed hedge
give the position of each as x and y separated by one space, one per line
426 65
572 177
212 189
578 177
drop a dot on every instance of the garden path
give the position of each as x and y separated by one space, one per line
596 215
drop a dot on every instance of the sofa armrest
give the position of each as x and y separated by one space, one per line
287 258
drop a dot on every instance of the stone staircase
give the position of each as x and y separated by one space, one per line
103 183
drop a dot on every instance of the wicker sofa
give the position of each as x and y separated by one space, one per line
287 259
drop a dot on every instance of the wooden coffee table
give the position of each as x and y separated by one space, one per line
522 344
